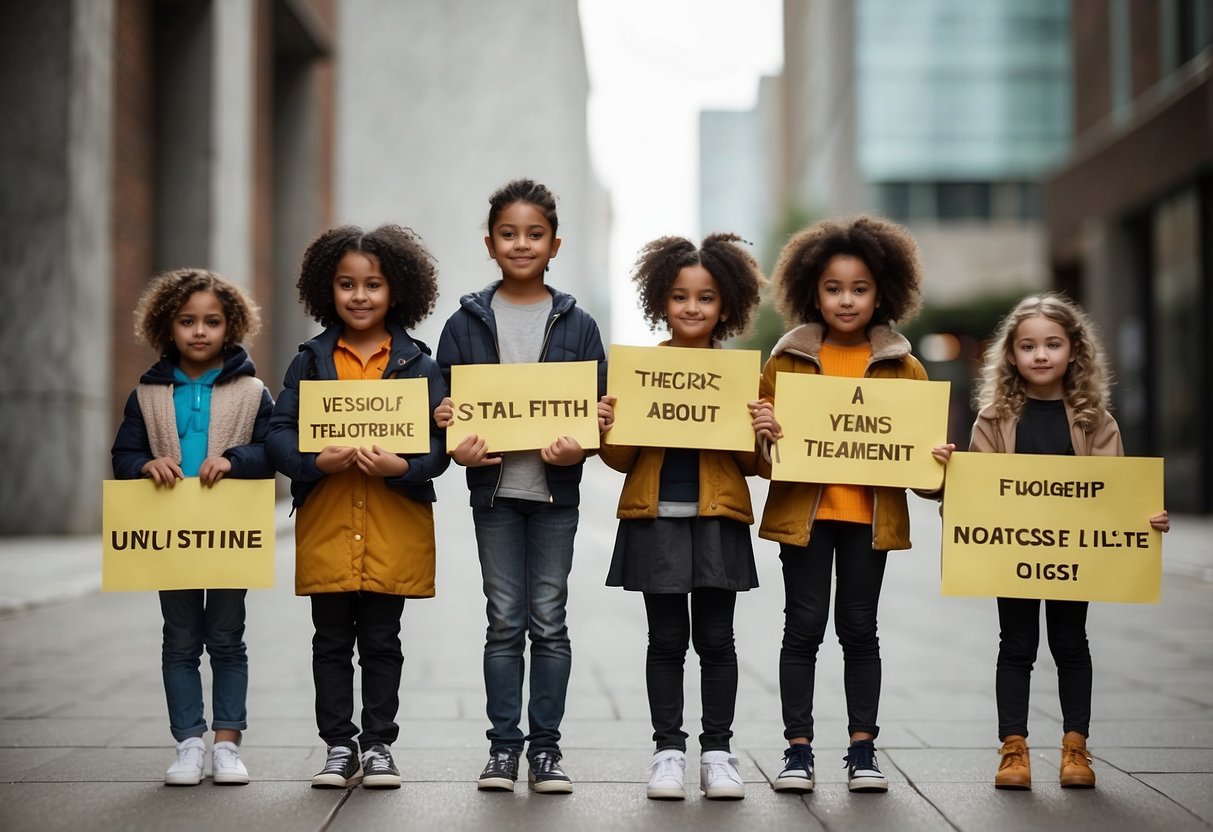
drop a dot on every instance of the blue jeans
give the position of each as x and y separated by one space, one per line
526 552
194 618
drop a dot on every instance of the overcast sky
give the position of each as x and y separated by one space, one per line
654 64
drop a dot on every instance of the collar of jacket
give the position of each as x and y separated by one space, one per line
805 342
405 348
236 362
480 303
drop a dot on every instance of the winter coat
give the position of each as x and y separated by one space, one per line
792 506
470 337
994 435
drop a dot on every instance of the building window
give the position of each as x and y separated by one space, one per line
959 201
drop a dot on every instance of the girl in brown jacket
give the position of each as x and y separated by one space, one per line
684 518
842 284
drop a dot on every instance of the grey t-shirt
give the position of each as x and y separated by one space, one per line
520 330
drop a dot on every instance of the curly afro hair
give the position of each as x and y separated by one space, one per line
169 291
523 190
886 248
734 269
407 266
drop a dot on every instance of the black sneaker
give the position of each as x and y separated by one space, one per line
797 773
500 773
341 769
546 776
863 775
378 770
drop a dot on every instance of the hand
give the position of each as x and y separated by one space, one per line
377 462
1161 521
163 471
334 459
444 413
606 413
472 452
213 468
564 451
765 424
943 452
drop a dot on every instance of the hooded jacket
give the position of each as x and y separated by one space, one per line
132 447
470 337
792 506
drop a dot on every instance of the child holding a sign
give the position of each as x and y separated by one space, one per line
524 504
364 532
684 517
1045 391
200 411
842 285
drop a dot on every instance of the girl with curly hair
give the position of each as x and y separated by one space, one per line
684 517
1044 390
841 285
364 531
200 411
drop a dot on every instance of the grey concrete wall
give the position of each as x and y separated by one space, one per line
438 104
55 64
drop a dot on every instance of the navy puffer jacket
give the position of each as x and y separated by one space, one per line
470 337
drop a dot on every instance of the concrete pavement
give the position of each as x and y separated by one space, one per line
84 738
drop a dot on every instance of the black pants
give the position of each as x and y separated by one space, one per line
807 573
1019 637
371 620
709 626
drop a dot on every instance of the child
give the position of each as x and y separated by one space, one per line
842 284
684 518
364 535
524 504
1044 391
200 411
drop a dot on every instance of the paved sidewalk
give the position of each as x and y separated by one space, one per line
84 739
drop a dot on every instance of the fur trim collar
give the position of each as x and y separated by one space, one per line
805 341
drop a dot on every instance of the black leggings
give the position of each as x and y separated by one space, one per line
807 573
1019 637
709 626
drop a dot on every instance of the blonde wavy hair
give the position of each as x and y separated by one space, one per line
1087 379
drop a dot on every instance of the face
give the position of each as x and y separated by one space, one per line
522 242
1041 352
693 307
847 298
361 293
199 330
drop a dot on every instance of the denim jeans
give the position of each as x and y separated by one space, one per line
194 618
372 621
1019 637
845 549
526 552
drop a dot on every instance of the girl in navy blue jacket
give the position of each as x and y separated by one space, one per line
524 504
200 411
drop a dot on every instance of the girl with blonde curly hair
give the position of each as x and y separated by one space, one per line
1045 391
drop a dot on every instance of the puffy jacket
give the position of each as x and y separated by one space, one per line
994 435
470 337
722 487
132 449
792 506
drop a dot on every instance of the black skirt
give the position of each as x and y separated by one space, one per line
678 554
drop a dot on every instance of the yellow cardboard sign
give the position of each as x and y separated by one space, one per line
1060 527
862 431
187 536
524 407
393 413
674 397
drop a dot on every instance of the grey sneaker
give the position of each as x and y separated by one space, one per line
341 769
378 769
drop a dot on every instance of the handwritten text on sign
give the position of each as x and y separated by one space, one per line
392 413
187 536
1061 527
862 431
672 397
524 407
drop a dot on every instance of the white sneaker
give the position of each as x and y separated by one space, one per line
186 770
718 776
669 768
226 768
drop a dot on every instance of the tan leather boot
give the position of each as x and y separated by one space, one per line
1076 770
1015 770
